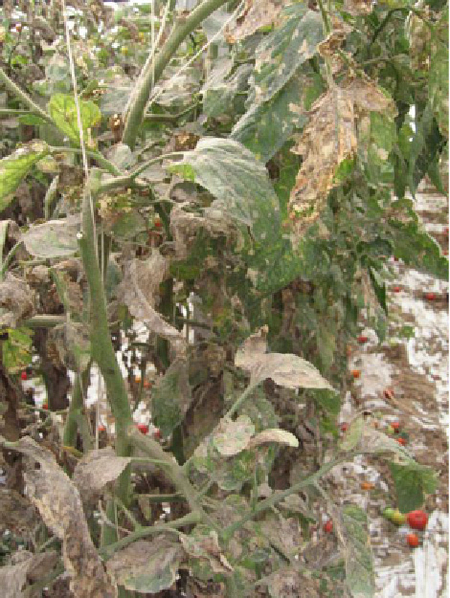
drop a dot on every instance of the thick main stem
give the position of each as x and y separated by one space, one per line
156 67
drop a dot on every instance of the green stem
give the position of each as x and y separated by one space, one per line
44 321
247 392
13 112
155 69
102 161
8 259
156 118
144 532
279 496
23 97
76 409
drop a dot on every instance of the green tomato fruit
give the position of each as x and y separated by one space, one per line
388 512
398 518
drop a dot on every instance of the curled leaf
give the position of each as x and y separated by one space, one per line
274 435
287 370
53 239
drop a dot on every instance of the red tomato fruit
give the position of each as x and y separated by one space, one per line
395 426
362 339
328 527
397 289
417 519
430 296
157 434
344 427
402 441
101 428
23 376
412 540
45 406
142 428
356 373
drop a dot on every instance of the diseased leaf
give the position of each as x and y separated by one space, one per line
15 167
219 93
16 301
412 481
59 504
280 54
72 344
286 370
353 435
53 239
203 544
286 582
254 16
26 569
232 437
239 182
17 349
274 435
62 109
329 138
137 291
358 553
147 567
438 85
358 7
265 127
171 397
96 470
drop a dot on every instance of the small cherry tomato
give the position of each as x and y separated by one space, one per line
101 428
397 289
143 428
402 441
362 339
388 512
344 427
137 379
158 223
328 527
412 540
430 296
147 384
395 426
417 519
388 393
45 406
367 486
398 518
356 373
157 434
23 376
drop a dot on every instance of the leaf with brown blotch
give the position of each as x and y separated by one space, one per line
138 290
232 437
329 138
285 369
59 504
203 543
16 301
256 14
96 470
24 570
147 567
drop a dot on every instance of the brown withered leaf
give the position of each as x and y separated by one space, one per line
287 583
16 512
25 569
329 138
138 290
71 343
274 435
16 301
285 369
147 567
203 543
358 7
59 504
256 14
96 470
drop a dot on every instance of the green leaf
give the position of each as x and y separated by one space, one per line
62 109
16 349
3 231
329 400
171 398
412 481
219 92
281 53
438 86
353 435
146 567
358 553
15 167
53 239
265 127
31 119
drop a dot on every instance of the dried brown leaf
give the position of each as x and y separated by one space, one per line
147 567
59 504
138 290
274 435
25 569
16 301
256 14
285 369
329 138
289 583
232 437
17 513
203 543
96 470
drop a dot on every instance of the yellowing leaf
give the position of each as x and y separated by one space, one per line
63 111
